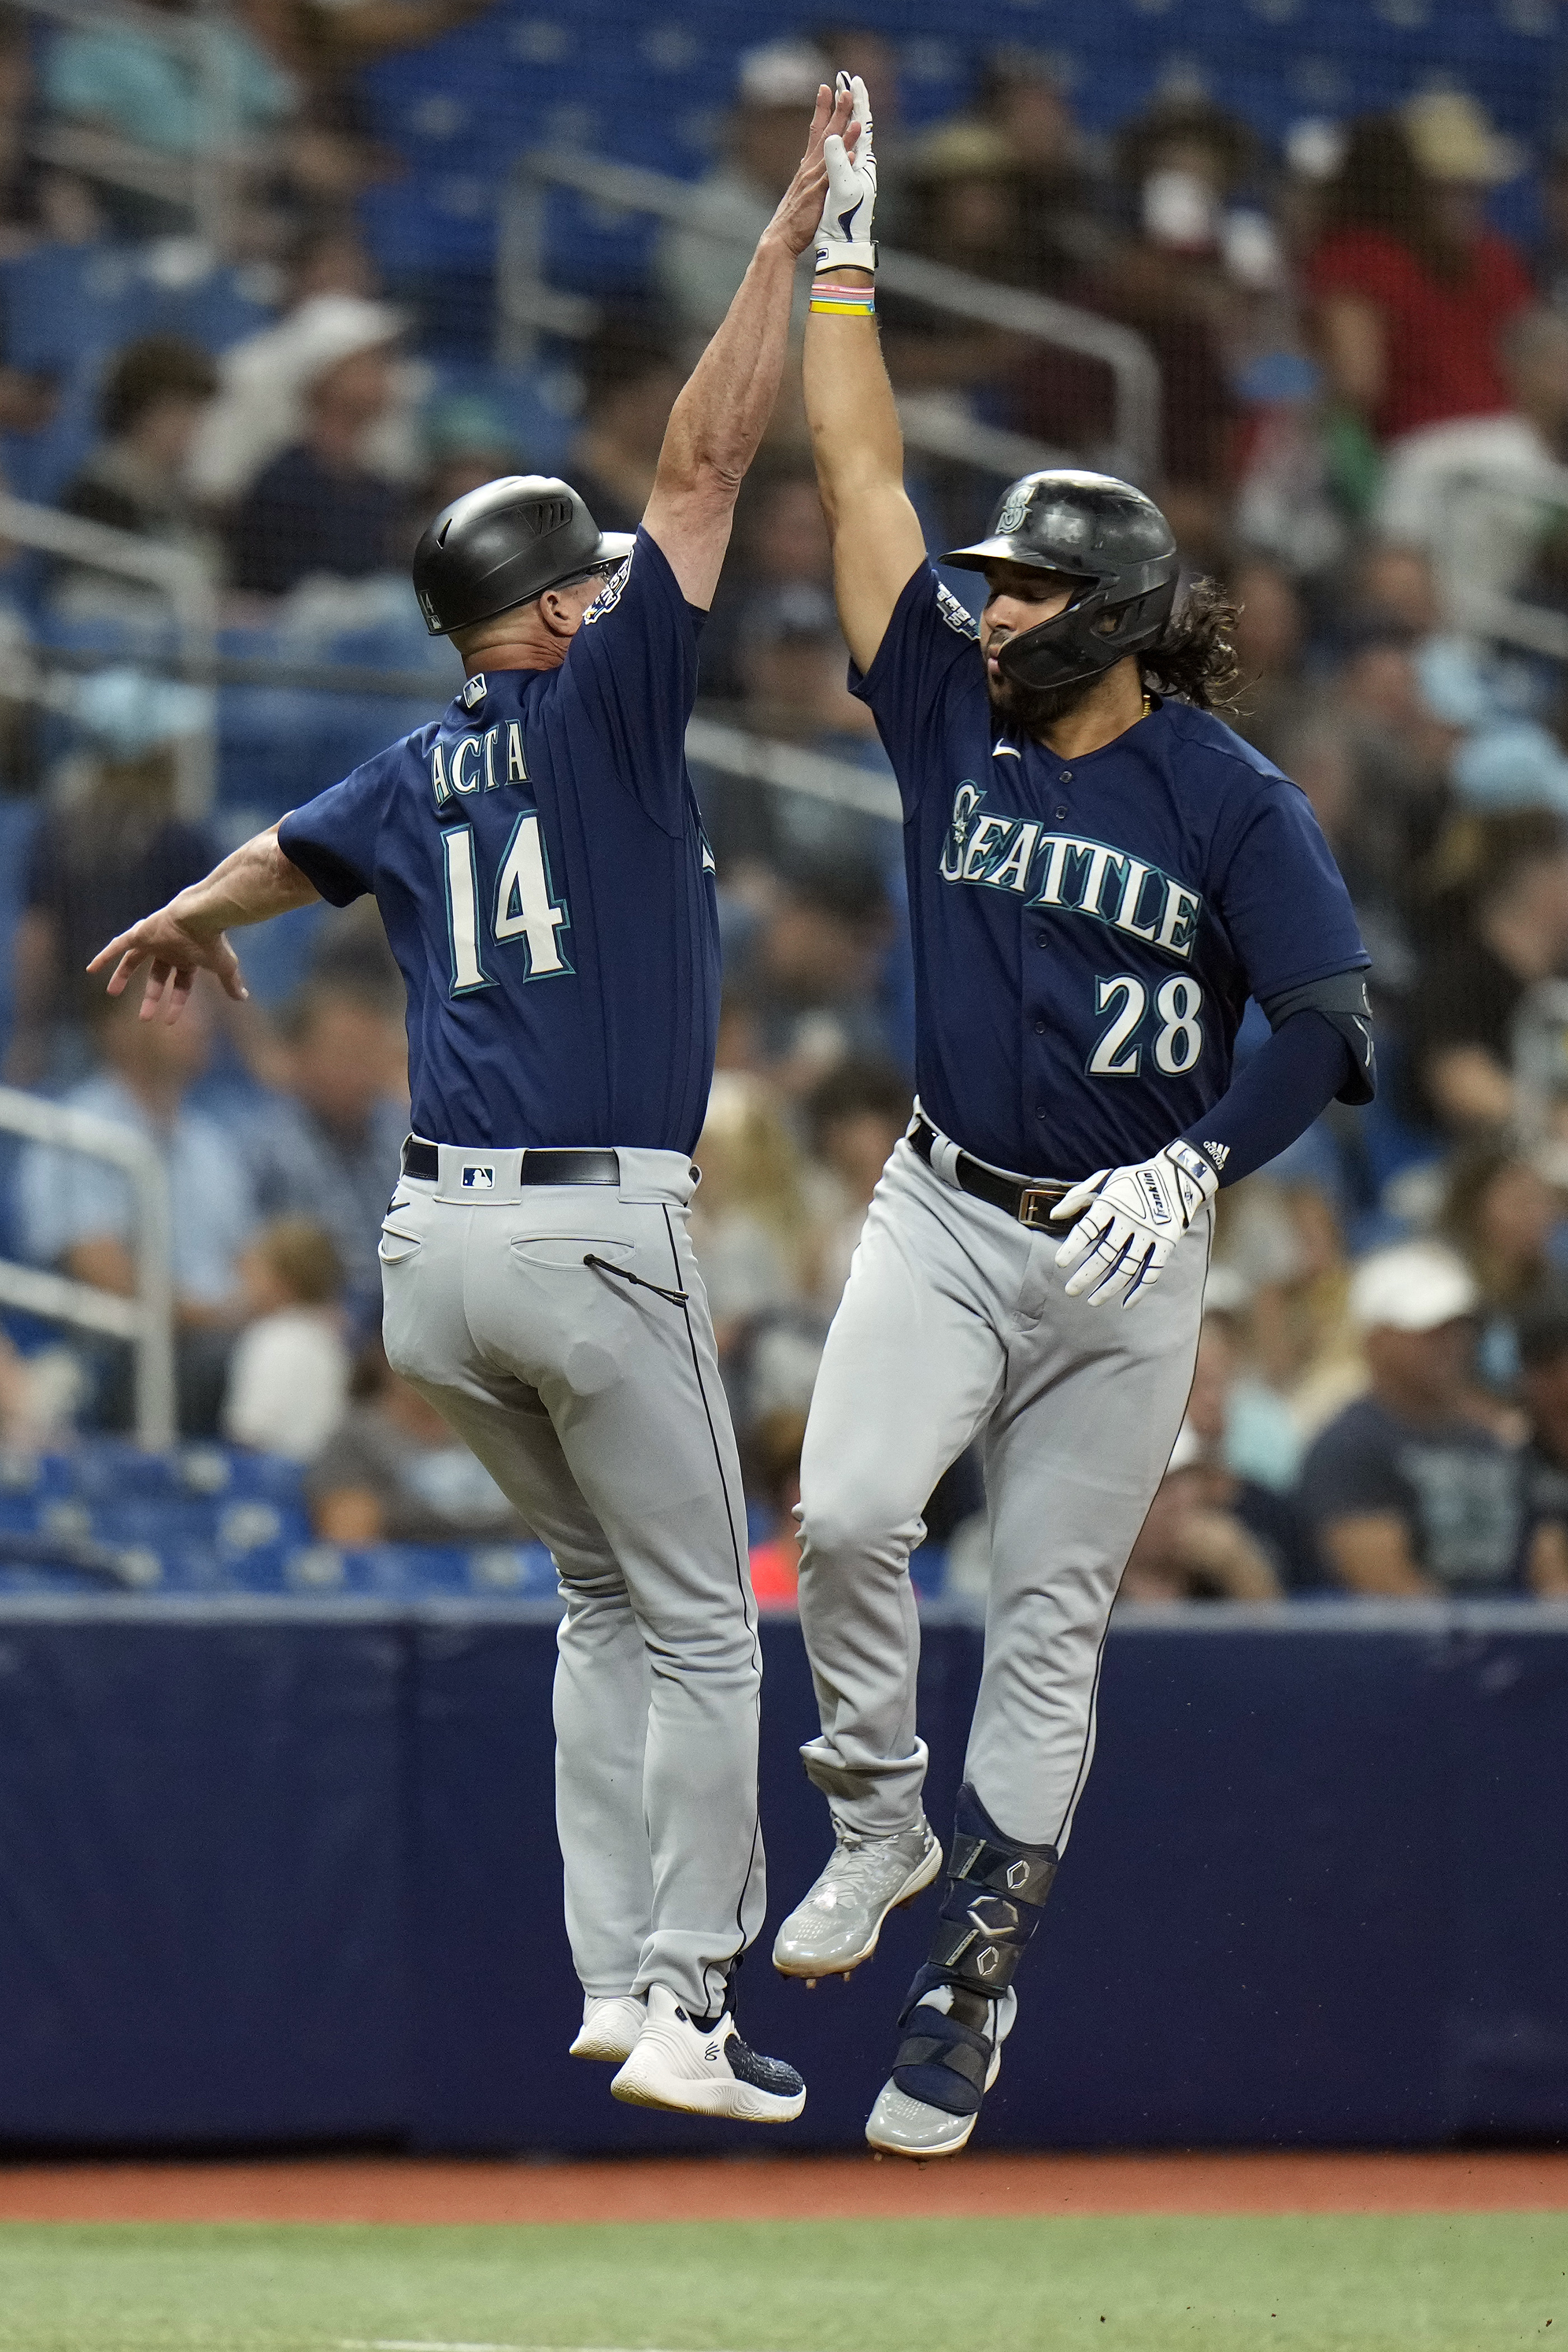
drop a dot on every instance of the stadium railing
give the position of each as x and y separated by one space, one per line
185 582
528 305
146 1320
202 179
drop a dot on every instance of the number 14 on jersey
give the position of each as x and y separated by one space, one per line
524 907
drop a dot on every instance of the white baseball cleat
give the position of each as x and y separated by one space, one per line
836 1924
957 2034
705 2070
611 2024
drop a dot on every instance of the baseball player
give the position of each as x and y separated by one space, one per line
1099 875
539 861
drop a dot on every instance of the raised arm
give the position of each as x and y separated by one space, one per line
254 883
877 540
721 416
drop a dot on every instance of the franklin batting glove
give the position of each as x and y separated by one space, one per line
1129 1221
844 239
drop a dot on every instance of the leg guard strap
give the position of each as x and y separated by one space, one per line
996 1891
944 2060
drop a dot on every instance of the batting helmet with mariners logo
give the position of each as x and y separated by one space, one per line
1115 548
505 543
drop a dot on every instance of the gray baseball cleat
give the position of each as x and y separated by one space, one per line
952 2044
837 1925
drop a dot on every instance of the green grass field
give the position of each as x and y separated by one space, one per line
1307 2283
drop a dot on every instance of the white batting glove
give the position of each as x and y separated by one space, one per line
1130 1221
844 240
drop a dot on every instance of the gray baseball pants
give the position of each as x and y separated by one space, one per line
597 1406
954 1326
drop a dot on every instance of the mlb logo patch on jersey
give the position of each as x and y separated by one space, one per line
478 1180
474 691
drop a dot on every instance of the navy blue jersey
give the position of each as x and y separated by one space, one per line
540 865
1087 931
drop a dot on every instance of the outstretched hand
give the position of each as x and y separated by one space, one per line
175 951
800 209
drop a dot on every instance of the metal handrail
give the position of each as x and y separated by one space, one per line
148 1319
764 760
527 305
184 579
200 179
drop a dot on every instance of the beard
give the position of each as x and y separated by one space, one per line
1032 708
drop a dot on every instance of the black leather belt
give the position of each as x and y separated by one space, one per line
1030 1203
545 1167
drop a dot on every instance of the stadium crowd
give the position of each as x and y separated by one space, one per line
1364 430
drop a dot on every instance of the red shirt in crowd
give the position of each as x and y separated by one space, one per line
1441 332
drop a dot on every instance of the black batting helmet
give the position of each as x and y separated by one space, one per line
505 543
1106 538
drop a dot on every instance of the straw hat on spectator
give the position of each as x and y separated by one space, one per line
1454 140
962 150
1415 1286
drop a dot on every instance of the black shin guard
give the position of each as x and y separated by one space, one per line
996 1891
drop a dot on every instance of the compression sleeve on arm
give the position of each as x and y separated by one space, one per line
1288 1082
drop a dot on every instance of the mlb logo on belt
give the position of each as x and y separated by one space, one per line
478 1180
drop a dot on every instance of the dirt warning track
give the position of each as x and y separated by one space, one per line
769 2189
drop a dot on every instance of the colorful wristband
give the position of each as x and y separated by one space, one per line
847 302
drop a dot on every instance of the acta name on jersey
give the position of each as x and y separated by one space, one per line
1072 871
474 762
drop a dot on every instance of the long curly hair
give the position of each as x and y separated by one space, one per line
1194 656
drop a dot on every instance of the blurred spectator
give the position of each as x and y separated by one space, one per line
629 385
1171 278
1409 1490
79 1214
321 38
34 200
204 89
779 541
966 206
816 970
1268 638
392 1472
262 406
467 442
1280 1247
1400 757
1551 262
107 846
289 1375
752 1216
1478 495
326 1146
1022 96
775 1445
853 1117
1543 1386
138 478
1393 587
321 509
793 662
777 90
1191 1545
1504 1220
1411 287
1509 874
156 92
1243 1423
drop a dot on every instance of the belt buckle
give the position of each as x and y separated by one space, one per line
1036 1203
